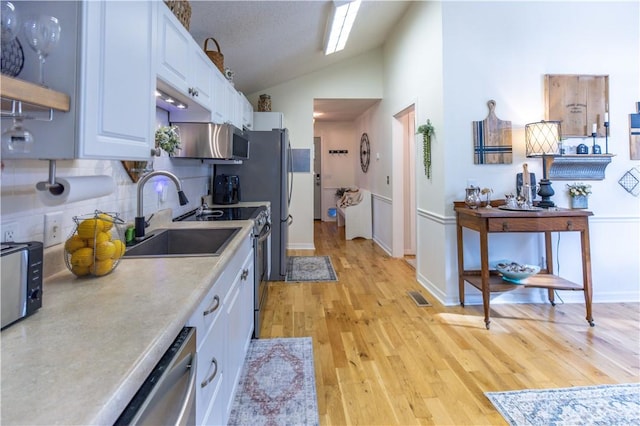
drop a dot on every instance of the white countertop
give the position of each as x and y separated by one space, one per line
84 354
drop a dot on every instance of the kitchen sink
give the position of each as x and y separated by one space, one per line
181 242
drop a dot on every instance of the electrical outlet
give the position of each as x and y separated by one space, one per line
9 231
52 229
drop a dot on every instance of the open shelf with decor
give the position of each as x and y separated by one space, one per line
13 89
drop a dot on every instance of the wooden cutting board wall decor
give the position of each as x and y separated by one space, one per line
492 139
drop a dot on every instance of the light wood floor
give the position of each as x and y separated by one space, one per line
382 360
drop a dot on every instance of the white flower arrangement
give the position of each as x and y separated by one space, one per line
168 139
579 189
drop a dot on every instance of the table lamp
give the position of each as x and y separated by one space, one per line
542 140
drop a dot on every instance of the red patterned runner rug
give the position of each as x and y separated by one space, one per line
277 384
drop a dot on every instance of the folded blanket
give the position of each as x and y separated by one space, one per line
350 198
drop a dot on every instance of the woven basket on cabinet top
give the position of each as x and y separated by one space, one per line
182 10
216 56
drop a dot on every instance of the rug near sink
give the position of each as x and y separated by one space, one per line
277 384
310 268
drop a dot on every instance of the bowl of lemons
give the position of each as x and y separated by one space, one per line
96 244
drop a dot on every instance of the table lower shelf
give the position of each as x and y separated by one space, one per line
497 284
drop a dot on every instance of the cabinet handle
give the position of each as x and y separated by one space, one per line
209 379
245 274
569 225
505 226
213 307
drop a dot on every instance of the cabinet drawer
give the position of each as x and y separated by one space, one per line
537 224
210 375
211 305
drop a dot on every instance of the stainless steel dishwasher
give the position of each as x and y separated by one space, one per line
168 395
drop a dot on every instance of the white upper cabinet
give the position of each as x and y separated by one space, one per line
247 113
220 105
181 63
117 80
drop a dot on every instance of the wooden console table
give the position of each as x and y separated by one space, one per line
488 220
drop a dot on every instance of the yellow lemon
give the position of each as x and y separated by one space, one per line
80 271
105 250
101 237
88 228
74 243
101 267
107 221
120 248
82 257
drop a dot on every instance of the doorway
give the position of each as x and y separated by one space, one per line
317 177
406 119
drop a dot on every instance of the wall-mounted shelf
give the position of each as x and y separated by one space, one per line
24 91
578 166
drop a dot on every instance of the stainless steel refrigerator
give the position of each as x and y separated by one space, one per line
267 176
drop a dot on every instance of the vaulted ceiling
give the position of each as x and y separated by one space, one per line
266 43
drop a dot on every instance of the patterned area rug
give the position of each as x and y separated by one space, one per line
277 384
310 268
585 405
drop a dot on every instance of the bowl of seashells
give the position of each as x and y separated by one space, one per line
514 271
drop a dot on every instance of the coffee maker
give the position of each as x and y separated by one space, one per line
226 189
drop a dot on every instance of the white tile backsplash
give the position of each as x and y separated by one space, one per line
19 202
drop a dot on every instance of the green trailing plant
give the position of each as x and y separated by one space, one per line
427 131
168 139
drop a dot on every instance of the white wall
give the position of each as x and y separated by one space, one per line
338 170
359 77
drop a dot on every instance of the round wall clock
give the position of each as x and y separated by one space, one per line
365 152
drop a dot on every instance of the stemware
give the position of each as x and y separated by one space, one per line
16 139
43 34
8 22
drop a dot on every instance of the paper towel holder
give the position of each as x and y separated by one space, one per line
54 187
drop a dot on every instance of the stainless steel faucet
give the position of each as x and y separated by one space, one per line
140 222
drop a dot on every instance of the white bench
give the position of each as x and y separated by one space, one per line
356 219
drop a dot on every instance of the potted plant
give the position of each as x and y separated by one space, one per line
579 193
168 139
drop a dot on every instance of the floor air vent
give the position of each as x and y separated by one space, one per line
418 298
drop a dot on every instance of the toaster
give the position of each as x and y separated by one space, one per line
21 285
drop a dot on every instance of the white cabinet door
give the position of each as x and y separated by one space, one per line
247 113
240 325
220 108
182 64
117 80
173 50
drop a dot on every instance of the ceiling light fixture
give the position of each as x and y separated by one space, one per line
344 14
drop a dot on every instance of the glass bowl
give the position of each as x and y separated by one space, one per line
514 271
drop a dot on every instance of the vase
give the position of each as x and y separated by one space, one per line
579 202
472 198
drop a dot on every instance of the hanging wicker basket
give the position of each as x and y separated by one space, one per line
182 10
216 56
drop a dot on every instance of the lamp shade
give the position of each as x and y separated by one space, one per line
542 138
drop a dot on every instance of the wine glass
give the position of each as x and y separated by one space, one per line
8 22
16 139
43 34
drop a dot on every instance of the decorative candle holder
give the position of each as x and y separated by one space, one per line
606 136
595 149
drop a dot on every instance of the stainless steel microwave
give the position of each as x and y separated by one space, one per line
212 141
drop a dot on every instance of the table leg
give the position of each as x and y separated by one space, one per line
484 262
460 265
586 272
548 248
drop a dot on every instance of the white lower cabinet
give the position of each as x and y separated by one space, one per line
224 325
